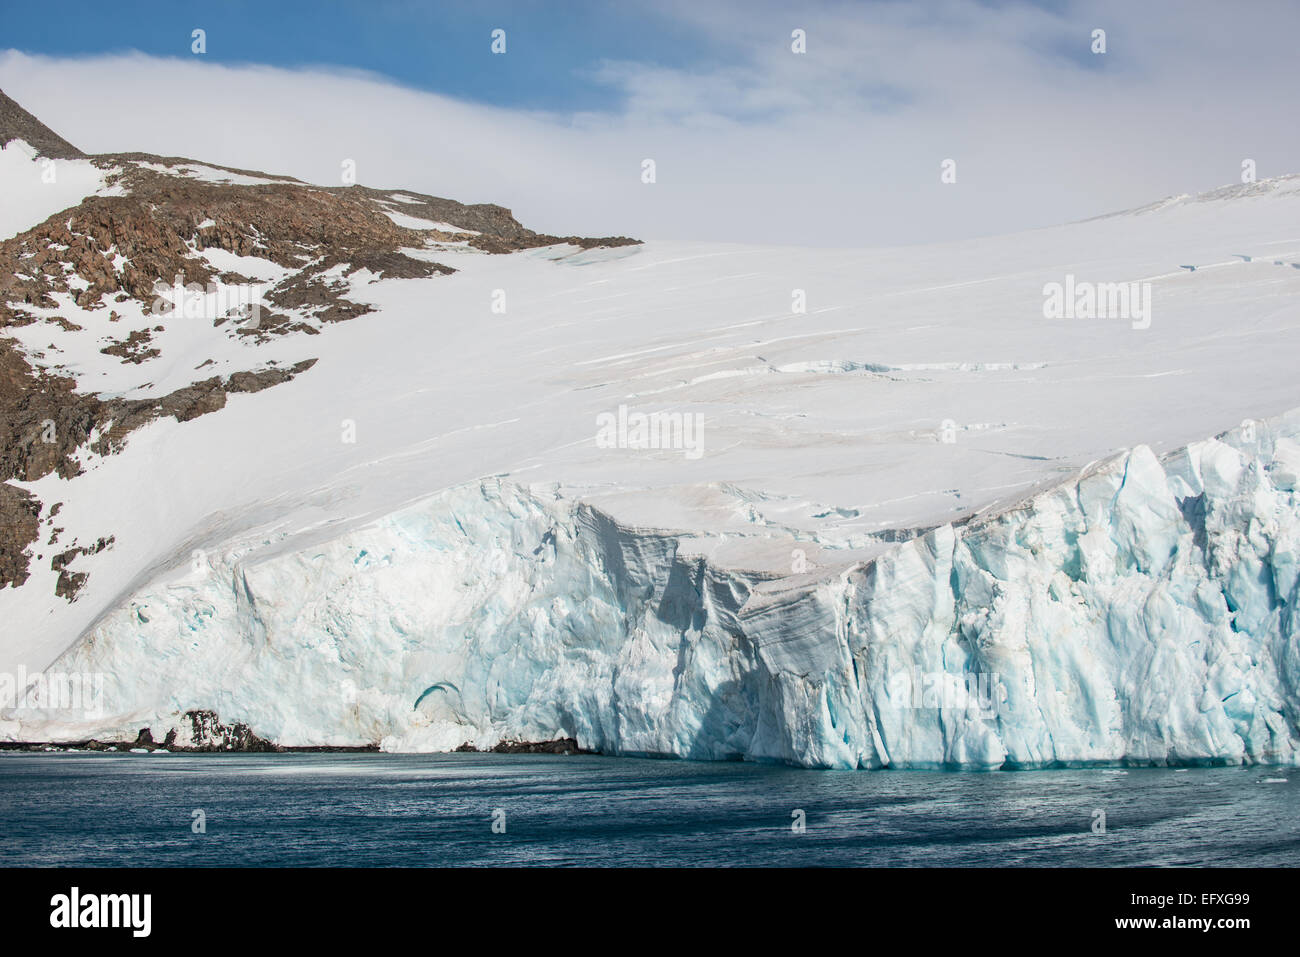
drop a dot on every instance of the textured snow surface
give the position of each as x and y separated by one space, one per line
33 188
475 566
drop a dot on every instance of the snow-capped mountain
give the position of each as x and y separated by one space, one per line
400 471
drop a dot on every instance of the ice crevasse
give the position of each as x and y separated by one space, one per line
1143 611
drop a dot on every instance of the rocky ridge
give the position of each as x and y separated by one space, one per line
150 227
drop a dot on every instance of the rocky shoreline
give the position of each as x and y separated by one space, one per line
145 742
558 746
207 735
135 746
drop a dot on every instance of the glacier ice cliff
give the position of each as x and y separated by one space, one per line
1142 611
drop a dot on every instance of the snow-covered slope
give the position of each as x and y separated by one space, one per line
896 468
33 187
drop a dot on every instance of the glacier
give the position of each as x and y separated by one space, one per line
919 523
1142 611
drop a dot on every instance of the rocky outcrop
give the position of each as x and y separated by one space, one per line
17 124
20 525
71 582
201 732
124 246
135 347
207 733
558 746
44 422
112 249
495 228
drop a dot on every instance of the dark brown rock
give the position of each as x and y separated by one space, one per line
17 124
19 526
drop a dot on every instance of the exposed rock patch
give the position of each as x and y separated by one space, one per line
134 348
558 746
207 733
71 582
20 516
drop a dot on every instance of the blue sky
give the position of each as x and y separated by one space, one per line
555 47
443 47
840 145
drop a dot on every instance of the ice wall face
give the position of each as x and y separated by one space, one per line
1144 611
484 613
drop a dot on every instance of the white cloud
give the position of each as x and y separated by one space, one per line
839 146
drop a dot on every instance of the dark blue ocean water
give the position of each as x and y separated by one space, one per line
413 810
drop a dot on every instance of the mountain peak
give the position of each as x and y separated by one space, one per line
17 124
